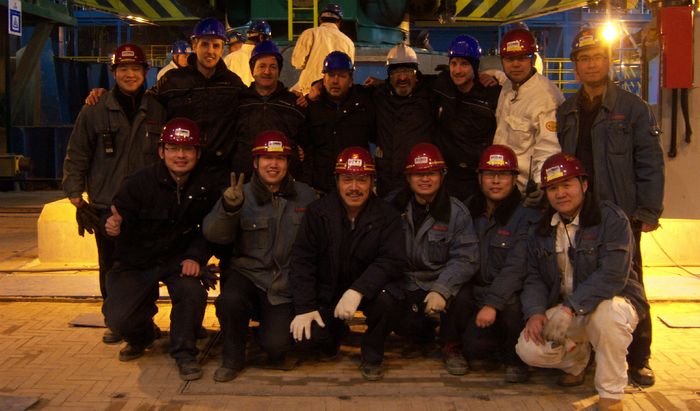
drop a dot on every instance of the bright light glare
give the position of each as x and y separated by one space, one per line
610 32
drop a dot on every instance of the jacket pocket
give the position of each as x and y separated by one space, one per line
255 233
619 141
438 247
519 136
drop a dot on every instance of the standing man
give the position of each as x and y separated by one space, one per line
235 40
442 252
260 220
180 51
238 61
492 317
526 112
342 117
466 116
111 140
156 220
316 43
267 105
348 249
615 135
581 288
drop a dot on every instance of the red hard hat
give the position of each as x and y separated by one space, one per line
180 131
424 157
518 42
354 160
271 142
559 167
129 54
585 39
498 158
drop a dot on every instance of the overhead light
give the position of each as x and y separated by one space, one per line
611 31
137 19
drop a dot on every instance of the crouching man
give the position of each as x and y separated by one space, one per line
442 251
349 248
580 289
260 219
156 219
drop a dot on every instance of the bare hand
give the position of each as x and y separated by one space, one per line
301 325
94 96
434 303
233 196
315 91
301 153
114 223
373 82
190 268
301 98
487 80
486 316
647 228
77 202
533 329
346 307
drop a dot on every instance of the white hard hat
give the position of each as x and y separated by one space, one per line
401 54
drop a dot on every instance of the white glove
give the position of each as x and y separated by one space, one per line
556 327
346 307
434 303
301 325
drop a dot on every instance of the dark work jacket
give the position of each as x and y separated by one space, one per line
402 122
377 256
257 114
466 125
160 221
503 249
210 102
332 127
602 265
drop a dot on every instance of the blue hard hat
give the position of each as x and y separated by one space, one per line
209 27
234 37
466 47
259 27
265 48
333 9
181 47
337 60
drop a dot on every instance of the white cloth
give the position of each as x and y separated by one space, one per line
311 49
527 123
239 63
562 243
608 329
167 68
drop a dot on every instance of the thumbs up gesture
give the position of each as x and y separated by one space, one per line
233 196
114 223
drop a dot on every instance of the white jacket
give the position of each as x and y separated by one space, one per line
167 68
527 123
311 49
239 63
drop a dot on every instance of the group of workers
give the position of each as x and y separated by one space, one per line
507 216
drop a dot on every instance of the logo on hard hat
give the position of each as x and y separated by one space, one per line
513 46
496 160
554 172
275 146
188 50
588 40
181 133
354 162
421 160
127 53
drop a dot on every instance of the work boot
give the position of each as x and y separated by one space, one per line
227 372
189 369
455 363
642 376
610 404
517 373
131 352
110 337
372 372
568 380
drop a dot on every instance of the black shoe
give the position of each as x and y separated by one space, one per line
517 373
131 352
455 363
642 376
110 337
226 373
189 369
372 372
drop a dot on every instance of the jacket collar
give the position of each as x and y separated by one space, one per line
440 209
608 102
263 195
504 211
251 91
192 66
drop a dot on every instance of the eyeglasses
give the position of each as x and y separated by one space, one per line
402 70
597 58
180 149
491 175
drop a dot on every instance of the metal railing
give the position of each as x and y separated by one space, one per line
561 72
157 55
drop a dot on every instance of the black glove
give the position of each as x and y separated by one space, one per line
208 279
88 218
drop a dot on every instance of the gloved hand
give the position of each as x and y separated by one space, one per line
233 196
533 199
346 307
88 219
556 327
434 303
301 325
208 279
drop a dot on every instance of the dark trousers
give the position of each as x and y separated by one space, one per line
239 301
105 253
131 305
377 312
410 319
639 350
499 338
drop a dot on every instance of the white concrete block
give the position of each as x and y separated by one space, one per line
59 242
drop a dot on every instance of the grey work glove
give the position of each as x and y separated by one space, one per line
233 196
556 327
88 218
533 199
434 303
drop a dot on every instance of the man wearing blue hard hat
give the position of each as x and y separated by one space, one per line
235 41
180 51
238 61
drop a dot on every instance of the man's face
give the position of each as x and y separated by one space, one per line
518 68
592 65
266 71
403 80
461 71
337 83
129 77
425 184
180 59
208 50
354 189
179 159
271 169
497 185
567 196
